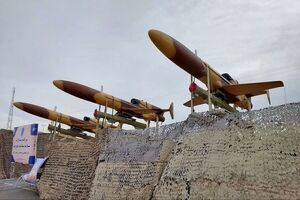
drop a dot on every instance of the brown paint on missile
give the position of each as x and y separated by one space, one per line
184 58
33 109
76 89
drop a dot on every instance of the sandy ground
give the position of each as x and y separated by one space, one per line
8 190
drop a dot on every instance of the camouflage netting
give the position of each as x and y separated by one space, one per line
249 155
211 155
253 155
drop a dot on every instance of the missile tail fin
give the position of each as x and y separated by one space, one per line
171 110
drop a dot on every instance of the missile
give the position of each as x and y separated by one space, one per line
149 112
233 92
185 59
55 116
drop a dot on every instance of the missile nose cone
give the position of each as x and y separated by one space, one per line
59 84
163 42
18 105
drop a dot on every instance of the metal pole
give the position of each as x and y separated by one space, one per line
192 94
98 118
112 112
101 91
156 127
11 111
208 87
105 111
55 125
192 103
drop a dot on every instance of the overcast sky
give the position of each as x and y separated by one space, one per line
106 43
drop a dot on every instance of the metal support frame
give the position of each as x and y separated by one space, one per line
112 111
192 94
157 125
98 118
105 117
55 125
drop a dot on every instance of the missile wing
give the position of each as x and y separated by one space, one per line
252 89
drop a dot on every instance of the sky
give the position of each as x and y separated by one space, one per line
106 43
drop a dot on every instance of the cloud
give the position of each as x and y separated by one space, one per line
106 43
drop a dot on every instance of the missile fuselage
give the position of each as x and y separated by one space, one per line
96 96
55 116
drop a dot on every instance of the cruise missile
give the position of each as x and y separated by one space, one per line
223 86
135 108
56 116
